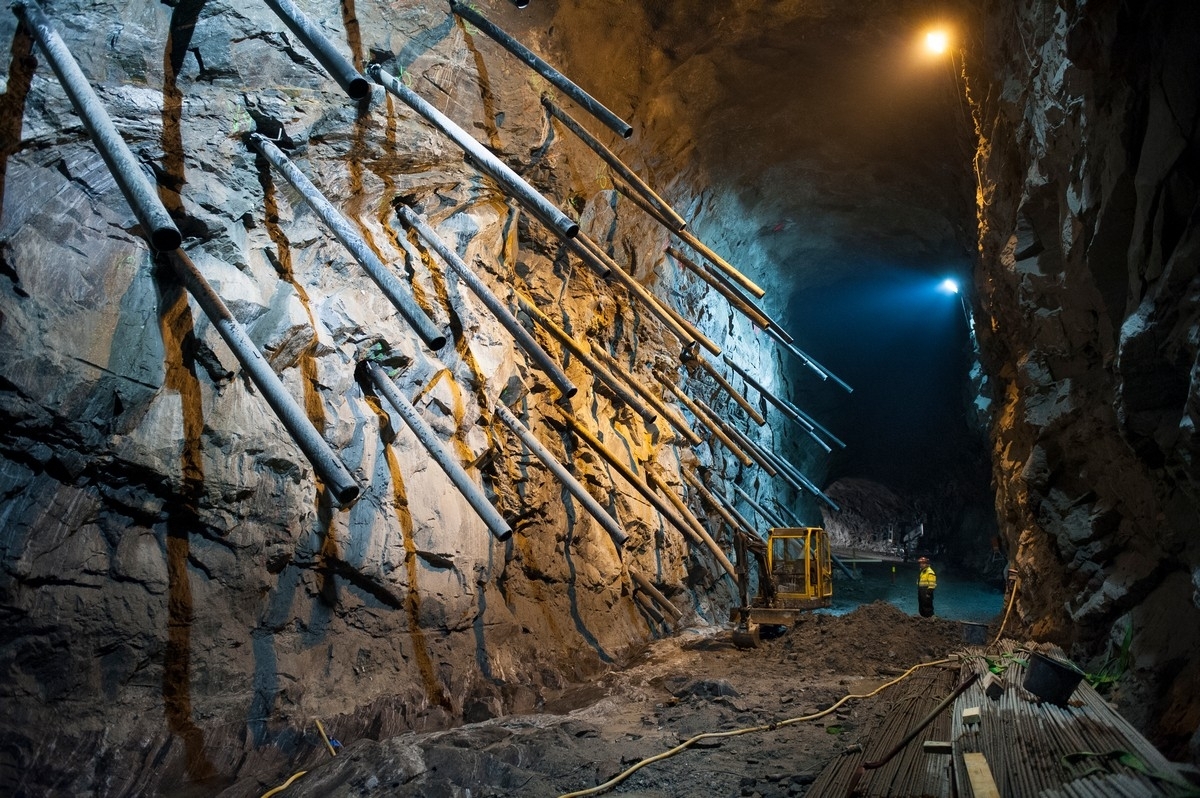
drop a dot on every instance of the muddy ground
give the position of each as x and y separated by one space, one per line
693 683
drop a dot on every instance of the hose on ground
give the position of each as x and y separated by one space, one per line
620 777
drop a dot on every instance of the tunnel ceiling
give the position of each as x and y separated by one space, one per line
839 144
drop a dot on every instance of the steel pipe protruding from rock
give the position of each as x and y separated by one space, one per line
736 522
758 508
647 587
609 157
541 359
341 70
482 157
556 78
701 417
684 512
331 471
790 410
614 383
672 417
429 439
142 197
785 341
340 226
742 402
526 436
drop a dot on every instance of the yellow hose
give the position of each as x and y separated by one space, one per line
620 777
285 785
325 737
1012 599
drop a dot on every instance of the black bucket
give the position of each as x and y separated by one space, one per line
1050 679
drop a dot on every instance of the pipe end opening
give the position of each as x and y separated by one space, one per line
166 239
436 342
571 230
346 494
626 131
569 392
503 534
358 88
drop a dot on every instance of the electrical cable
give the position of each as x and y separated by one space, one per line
285 785
617 779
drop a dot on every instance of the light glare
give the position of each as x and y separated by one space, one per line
936 41
949 286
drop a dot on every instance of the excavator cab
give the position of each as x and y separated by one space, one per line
795 574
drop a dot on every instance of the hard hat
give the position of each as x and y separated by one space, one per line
922 559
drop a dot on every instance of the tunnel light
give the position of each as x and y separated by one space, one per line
948 286
937 41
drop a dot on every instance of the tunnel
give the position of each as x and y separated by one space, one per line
540 398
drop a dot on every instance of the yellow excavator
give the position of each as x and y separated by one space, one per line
795 573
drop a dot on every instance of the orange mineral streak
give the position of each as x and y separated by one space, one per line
434 690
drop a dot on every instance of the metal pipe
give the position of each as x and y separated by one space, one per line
703 419
330 469
156 223
664 508
647 587
509 322
672 417
742 521
639 291
600 266
351 81
743 403
758 508
429 439
742 442
736 300
789 515
722 558
556 78
617 165
824 373
796 477
340 226
606 521
527 195
790 410
614 383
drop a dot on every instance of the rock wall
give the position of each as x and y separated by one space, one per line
180 595
1087 117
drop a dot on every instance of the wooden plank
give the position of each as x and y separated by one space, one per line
980 776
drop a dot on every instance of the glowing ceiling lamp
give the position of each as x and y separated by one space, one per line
948 286
937 41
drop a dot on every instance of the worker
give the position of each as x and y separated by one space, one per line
926 584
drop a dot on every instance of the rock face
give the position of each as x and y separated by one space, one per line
180 594
1087 116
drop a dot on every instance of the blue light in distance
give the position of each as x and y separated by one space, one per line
948 286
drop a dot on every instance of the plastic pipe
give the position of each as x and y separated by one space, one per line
329 468
387 281
351 81
429 439
617 165
552 217
556 78
615 384
606 521
524 340
142 197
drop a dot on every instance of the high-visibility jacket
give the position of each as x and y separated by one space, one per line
927 578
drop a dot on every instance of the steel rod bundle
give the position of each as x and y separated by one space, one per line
703 419
614 383
142 197
541 359
556 78
688 515
429 439
758 508
658 404
686 237
742 402
606 521
617 165
512 183
353 83
328 466
396 292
